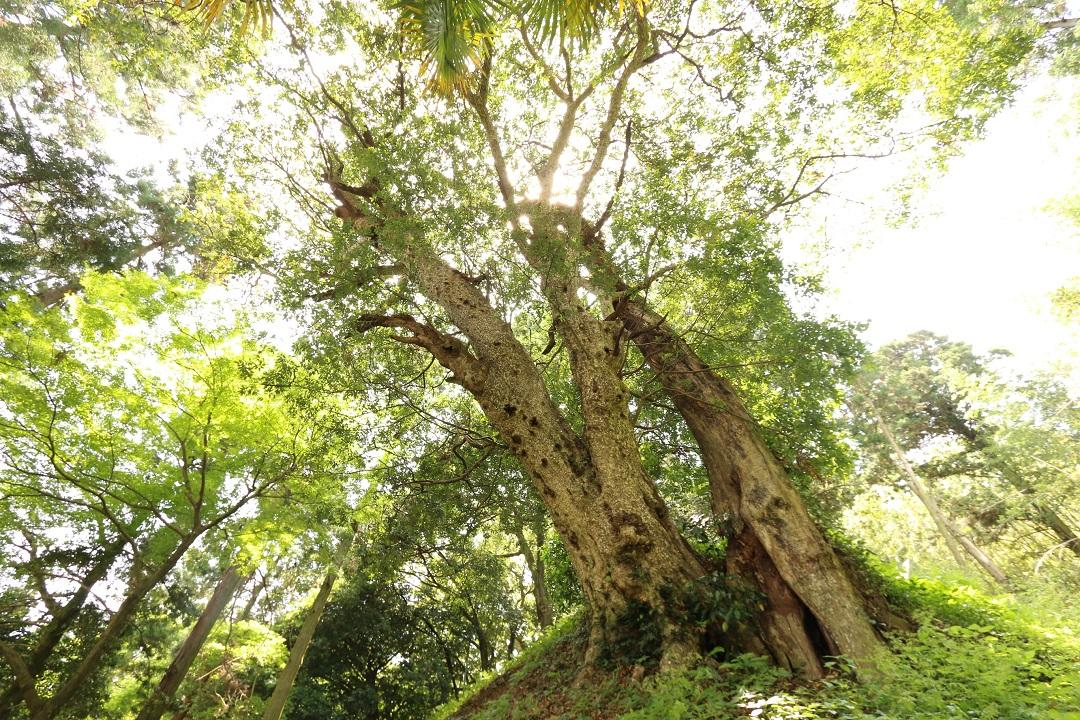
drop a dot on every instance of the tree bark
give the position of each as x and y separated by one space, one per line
625 549
24 680
275 706
776 545
174 675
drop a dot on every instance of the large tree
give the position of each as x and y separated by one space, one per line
530 214
549 198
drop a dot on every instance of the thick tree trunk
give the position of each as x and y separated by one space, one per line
54 630
275 706
625 549
174 675
813 607
627 553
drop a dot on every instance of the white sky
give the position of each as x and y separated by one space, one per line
985 253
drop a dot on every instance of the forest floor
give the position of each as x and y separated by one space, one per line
1006 657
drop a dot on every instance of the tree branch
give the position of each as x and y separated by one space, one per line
452 353
636 62
24 680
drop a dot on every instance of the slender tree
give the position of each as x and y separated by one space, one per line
162 696
275 706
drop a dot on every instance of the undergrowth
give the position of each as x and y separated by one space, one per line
973 656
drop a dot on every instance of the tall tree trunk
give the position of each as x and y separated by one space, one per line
948 530
626 551
256 592
54 630
174 675
275 706
624 547
776 545
535 563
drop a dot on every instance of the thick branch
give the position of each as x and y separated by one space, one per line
24 680
452 353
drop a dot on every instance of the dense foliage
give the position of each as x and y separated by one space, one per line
443 354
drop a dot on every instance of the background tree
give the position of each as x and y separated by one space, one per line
971 429
168 451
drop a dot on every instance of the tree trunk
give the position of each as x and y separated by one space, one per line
53 632
535 563
256 592
813 606
625 549
1058 526
115 628
275 706
627 553
159 700
1041 514
946 527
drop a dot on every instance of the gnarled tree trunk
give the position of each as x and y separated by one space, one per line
813 606
625 549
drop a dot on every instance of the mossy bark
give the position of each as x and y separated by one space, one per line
813 607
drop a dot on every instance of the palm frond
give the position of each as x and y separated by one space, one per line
453 37
574 20
257 13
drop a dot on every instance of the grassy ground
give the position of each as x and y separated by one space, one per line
974 656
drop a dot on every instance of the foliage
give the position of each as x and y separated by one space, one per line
674 140
373 656
998 448
972 656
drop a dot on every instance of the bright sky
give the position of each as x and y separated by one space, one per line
984 255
